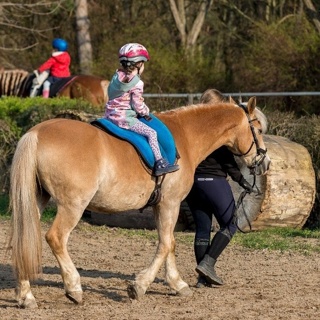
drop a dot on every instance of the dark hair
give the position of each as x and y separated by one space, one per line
212 96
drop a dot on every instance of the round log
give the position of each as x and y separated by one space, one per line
289 186
284 197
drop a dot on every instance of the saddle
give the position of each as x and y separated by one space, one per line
140 143
55 87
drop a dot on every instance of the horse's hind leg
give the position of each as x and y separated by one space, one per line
57 238
24 295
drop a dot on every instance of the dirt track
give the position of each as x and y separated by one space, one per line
258 284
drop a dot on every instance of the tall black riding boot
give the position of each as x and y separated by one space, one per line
200 248
206 267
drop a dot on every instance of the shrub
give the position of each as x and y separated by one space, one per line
18 115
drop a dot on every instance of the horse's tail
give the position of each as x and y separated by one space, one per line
25 238
12 81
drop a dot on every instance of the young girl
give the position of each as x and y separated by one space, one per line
126 103
57 66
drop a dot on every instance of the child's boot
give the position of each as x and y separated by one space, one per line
162 166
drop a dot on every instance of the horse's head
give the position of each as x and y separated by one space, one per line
249 144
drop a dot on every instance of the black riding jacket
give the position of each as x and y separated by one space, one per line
219 163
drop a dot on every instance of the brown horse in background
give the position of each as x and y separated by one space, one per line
87 87
79 166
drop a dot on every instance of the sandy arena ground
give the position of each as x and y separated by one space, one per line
259 284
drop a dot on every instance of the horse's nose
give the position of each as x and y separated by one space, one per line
266 164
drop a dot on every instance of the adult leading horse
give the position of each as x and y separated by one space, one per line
80 167
91 88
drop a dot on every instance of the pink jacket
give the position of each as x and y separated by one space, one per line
125 100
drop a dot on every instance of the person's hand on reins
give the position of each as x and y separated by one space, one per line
246 185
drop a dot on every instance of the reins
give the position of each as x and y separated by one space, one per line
240 203
260 152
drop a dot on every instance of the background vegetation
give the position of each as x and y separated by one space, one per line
241 46
18 115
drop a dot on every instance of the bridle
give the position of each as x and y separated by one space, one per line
257 161
261 153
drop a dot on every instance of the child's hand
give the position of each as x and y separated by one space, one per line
147 117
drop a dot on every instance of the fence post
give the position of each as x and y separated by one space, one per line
190 98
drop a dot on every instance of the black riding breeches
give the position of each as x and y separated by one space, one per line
211 196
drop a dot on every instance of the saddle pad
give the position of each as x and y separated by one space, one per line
57 86
165 139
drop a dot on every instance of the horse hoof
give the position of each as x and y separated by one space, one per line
75 296
134 291
185 292
28 304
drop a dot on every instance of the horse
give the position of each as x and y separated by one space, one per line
80 166
91 88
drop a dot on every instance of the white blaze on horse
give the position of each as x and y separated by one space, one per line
80 167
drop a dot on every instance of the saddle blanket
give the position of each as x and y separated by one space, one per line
57 86
165 139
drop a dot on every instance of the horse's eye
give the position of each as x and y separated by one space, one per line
260 131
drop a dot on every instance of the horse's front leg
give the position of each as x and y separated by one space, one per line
166 220
143 280
173 277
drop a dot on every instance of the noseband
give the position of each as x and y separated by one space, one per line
261 153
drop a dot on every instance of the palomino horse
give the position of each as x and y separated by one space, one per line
88 87
80 167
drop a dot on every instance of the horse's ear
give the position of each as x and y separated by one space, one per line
104 84
251 104
231 100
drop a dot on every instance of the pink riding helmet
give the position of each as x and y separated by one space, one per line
133 52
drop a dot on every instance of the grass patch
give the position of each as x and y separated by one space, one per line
4 205
282 239
47 215
279 239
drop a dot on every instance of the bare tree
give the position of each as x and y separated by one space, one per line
12 18
313 13
83 36
189 34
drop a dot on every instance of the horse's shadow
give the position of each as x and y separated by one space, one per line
7 281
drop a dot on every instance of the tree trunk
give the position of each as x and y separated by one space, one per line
313 13
83 36
188 39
